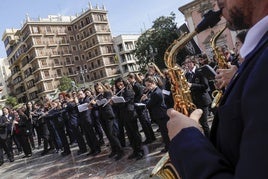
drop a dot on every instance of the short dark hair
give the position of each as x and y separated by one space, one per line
242 35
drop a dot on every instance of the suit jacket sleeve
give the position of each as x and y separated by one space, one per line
194 156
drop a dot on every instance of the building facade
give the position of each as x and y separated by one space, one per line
193 13
4 73
124 45
46 49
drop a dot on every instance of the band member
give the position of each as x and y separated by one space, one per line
86 124
95 117
5 135
128 116
238 146
22 126
199 87
156 104
142 111
71 108
7 113
107 118
55 116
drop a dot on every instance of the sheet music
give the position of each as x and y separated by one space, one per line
118 99
139 104
82 107
166 92
101 102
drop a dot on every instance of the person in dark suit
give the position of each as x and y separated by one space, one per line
142 111
199 87
107 118
238 145
128 116
156 104
22 127
71 108
86 124
5 135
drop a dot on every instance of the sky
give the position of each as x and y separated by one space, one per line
125 16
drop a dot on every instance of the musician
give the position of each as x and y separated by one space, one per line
142 111
238 146
29 113
107 119
86 124
95 117
128 117
46 129
5 135
37 112
55 117
9 118
156 104
21 130
71 108
224 76
199 87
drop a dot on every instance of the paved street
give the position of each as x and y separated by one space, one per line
75 166
54 166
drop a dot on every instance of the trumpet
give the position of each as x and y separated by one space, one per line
180 88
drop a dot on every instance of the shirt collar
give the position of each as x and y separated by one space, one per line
253 37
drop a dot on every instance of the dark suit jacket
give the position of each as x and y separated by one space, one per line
239 132
199 89
106 111
3 127
128 95
156 104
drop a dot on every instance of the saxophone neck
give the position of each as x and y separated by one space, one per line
215 38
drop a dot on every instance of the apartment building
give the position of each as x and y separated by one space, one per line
124 45
46 49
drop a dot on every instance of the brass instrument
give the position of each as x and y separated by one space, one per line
222 64
180 88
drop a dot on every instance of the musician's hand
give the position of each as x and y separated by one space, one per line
93 102
15 122
144 97
179 121
190 85
224 76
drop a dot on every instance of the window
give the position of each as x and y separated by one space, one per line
76 58
6 41
69 28
35 30
59 73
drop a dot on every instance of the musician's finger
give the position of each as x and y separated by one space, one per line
173 114
196 114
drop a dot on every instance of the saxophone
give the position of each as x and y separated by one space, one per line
222 64
180 88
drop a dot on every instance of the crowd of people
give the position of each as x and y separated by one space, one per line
227 150
84 116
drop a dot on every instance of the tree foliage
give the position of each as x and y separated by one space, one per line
159 36
65 83
11 101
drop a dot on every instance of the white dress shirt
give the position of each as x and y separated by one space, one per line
254 36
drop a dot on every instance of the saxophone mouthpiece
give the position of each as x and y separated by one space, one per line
210 19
